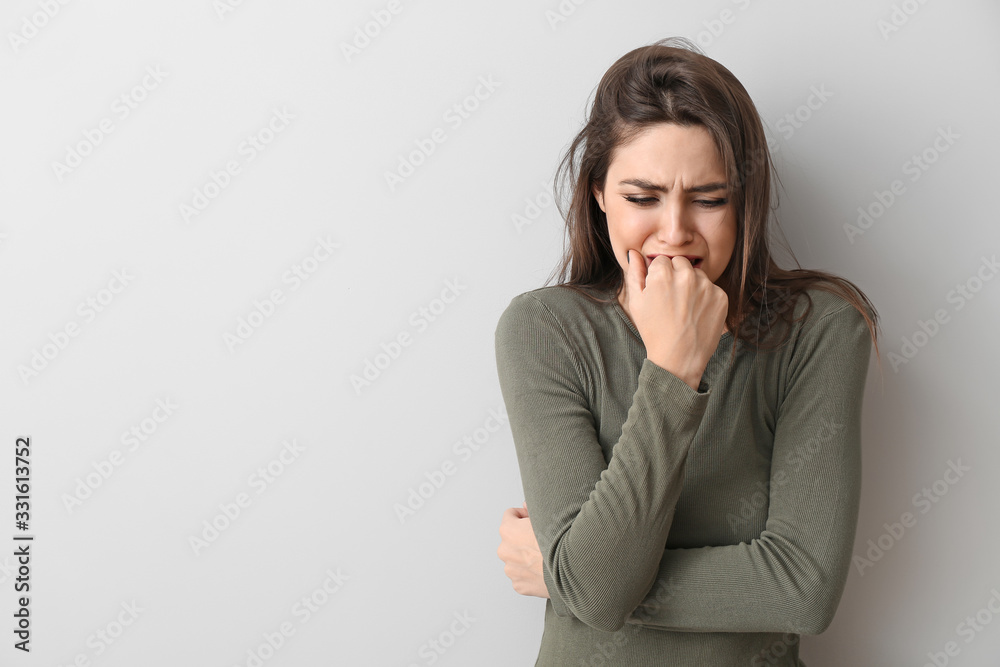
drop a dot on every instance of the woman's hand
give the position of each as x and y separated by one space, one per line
520 553
679 312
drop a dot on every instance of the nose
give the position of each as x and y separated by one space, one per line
675 229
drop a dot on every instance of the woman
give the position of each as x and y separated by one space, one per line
687 506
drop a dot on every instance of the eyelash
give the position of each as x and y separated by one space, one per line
706 203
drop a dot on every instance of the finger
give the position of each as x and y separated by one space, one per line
663 268
677 263
680 265
635 277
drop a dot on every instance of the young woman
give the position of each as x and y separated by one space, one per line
688 506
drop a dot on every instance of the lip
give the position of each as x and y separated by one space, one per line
691 258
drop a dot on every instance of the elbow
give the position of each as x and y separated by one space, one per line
818 613
591 592
818 623
606 610
617 625
603 617
814 626
818 589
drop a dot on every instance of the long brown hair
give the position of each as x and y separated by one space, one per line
672 81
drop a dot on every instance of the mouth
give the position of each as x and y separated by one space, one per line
695 261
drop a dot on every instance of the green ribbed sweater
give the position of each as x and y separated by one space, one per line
680 527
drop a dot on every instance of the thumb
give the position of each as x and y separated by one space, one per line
635 276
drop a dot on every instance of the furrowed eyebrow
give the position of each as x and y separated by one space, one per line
648 185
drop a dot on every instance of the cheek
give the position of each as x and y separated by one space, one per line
731 235
724 235
629 224
624 233
618 225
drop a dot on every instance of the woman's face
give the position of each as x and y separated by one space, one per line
666 194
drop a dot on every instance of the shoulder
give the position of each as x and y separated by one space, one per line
555 305
561 299
825 309
829 325
828 355
551 326
540 337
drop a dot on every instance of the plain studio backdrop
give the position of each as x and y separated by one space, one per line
253 255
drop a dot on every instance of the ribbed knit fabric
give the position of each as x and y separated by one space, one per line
680 527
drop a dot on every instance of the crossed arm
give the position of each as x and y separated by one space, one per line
588 555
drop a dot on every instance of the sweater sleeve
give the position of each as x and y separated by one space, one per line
601 526
790 578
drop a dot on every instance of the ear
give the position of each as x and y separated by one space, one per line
600 197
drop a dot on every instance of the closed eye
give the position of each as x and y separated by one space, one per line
712 203
641 201
648 201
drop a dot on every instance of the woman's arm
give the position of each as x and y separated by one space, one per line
601 527
790 579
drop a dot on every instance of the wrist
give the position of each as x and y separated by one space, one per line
688 378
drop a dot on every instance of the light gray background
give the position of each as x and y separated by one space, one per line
333 507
